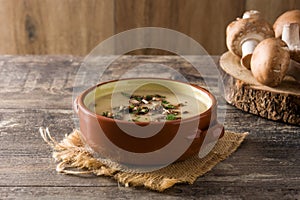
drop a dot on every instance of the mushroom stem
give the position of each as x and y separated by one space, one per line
249 45
290 35
294 70
247 49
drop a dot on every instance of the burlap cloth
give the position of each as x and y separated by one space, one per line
73 157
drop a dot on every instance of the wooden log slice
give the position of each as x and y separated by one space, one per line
243 91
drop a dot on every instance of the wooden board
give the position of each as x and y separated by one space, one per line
77 26
244 92
269 9
54 26
37 91
199 19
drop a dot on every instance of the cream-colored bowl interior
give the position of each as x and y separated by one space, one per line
152 85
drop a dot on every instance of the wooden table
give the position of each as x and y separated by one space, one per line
37 91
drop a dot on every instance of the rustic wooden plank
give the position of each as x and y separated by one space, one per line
267 164
61 122
62 193
200 20
229 178
281 103
40 80
270 10
224 192
27 171
272 151
21 79
208 28
76 26
54 26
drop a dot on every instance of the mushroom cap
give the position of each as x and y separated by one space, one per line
252 14
270 61
292 16
241 29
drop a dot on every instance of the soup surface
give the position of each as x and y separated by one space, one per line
145 105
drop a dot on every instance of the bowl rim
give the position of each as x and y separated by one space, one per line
81 97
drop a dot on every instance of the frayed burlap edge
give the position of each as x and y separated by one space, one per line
73 157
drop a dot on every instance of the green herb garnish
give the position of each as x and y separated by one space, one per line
149 97
164 101
171 117
136 119
146 105
105 114
169 106
159 96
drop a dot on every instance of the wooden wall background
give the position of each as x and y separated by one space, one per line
77 26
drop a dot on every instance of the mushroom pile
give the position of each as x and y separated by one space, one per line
269 52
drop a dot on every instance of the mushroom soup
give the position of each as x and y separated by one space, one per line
150 102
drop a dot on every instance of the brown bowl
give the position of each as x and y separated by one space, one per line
145 143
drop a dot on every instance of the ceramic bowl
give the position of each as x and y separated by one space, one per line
132 142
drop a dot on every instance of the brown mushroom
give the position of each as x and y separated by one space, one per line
292 16
286 27
255 14
270 61
243 35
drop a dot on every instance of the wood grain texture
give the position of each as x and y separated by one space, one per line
135 13
262 165
265 166
54 26
77 26
204 21
51 83
272 9
281 103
